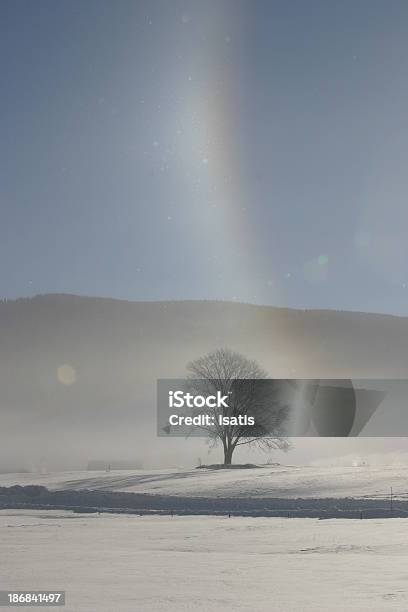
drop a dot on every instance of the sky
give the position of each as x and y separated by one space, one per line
237 150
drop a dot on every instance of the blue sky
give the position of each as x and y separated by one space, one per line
253 151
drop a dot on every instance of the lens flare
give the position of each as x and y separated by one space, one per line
66 374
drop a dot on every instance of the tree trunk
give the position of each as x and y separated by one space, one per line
228 450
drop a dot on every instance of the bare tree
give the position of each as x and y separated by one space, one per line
250 393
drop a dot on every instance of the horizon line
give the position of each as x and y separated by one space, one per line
8 300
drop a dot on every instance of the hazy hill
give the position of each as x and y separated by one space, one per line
117 350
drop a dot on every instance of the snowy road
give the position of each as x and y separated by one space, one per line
109 563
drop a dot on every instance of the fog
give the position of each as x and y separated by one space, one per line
78 375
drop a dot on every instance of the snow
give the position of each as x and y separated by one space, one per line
267 481
207 564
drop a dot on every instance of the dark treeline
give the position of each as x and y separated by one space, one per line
139 503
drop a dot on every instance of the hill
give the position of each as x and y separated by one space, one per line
285 481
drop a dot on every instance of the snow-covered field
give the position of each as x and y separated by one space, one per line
268 481
109 563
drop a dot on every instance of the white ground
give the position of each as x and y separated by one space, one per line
110 563
268 481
